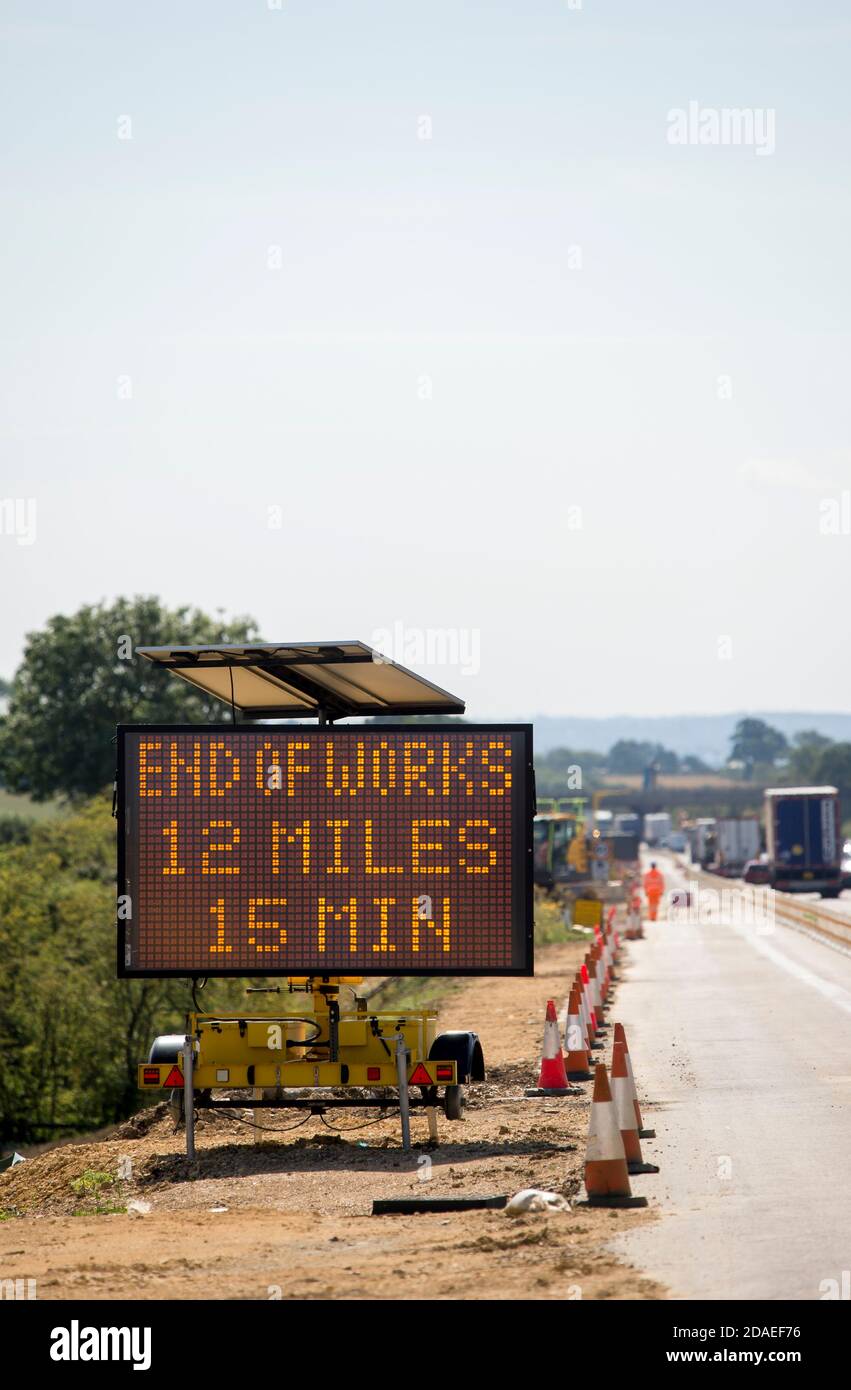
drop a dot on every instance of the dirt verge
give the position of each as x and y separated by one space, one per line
290 1217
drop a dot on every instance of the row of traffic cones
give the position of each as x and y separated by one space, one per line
586 1003
615 1128
634 930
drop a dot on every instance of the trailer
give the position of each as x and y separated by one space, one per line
322 855
701 838
736 842
657 824
803 840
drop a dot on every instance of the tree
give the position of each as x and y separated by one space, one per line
71 1034
568 771
830 765
630 756
808 746
81 676
691 763
811 738
754 741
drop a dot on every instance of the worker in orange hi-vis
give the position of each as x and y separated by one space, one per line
654 887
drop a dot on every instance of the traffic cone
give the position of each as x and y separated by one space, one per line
603 973
606 1175
553 1079
596 993
577 1064
584 1012
602 964
591 1043
609 956
620 1037
622 1094
589 995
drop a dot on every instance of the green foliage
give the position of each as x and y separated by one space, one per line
808 748
71 1034
91 1185
74 686
755 742
691 763
550 924
556 772
14 830
91 1181
630 756
822 764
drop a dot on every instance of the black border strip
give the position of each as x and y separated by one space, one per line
523 809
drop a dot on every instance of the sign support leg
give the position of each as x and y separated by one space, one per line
189 1093
402 1074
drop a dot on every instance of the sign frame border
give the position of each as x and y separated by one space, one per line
526 809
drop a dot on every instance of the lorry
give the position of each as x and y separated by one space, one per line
701 838
627 823
656 826
803 840
737 841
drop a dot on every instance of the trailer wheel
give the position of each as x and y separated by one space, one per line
454 1102
177 1106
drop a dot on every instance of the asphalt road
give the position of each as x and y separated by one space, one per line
741 1038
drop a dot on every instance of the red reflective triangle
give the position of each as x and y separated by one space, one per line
175 1077
419 1076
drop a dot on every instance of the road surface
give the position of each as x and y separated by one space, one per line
742 1037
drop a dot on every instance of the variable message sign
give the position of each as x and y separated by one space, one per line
298 850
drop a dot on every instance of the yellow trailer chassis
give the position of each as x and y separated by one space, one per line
308 1059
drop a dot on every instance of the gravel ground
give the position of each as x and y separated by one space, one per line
296 1221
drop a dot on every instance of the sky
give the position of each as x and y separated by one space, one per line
414 323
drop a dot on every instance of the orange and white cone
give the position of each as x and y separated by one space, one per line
589 995
609 960
614 944
553 1079
604 972
584 1011
577 1064
620 1037
606 1174
622 1094
604 966
596 991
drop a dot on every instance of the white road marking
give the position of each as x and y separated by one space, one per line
835 993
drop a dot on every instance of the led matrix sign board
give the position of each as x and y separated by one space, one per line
375 849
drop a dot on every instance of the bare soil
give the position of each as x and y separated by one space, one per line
290 1217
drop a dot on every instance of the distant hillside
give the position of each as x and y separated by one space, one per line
707 736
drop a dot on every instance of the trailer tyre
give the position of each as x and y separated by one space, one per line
177 1106
455 1102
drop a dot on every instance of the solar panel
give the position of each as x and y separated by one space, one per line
288 680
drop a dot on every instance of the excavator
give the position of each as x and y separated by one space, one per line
572 852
